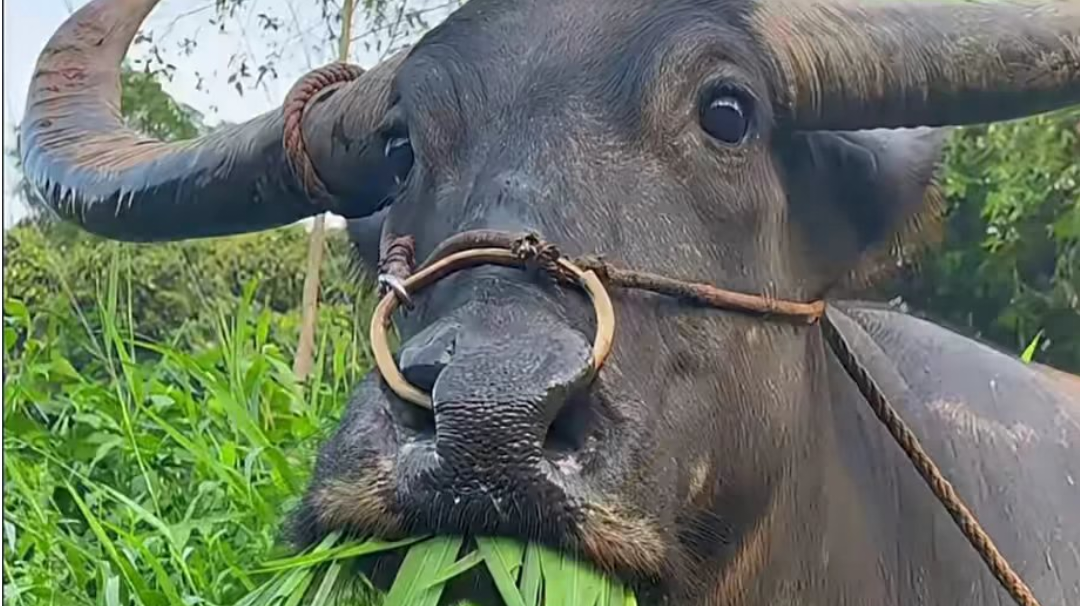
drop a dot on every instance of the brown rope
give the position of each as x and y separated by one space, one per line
930 472
704 294
398 257
296 102
531 247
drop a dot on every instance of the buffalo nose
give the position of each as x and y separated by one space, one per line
497 382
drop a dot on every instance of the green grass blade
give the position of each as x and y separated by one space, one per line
289 583
409 588
299 590
457 568
616 595
531 576
551 566
112 591
339 552
1029 352
588 583
604 597
259 597
162 577
568 580
140 511
270 592
503 557
133 579
322 594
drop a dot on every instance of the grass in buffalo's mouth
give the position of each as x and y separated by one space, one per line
525 575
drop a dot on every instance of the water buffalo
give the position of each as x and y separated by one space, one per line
763 146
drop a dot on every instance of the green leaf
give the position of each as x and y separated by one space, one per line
160 574
569 580
322 594
1029 351
127 570
112 591
531 576
16 308
325 553
551 563
503 557
456 569
294 581
299 590
409 588
11 337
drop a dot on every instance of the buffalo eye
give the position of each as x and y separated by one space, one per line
399 155
726 117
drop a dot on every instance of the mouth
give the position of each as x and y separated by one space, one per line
554 496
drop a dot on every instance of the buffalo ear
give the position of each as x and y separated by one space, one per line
863 200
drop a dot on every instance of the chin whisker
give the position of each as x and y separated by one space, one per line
362 503
619 541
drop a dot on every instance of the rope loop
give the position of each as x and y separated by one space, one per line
296 103
396 263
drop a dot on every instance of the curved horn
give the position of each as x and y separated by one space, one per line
114 182
842 66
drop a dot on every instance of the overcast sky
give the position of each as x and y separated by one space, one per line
296 47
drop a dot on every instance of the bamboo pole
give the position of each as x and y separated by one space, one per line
305 348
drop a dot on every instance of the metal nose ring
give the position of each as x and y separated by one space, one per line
394 284
380 320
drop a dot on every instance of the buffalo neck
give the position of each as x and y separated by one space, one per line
813 542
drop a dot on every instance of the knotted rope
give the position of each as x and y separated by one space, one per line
296 103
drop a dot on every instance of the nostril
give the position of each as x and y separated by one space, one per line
422 374
415 418
421 360
572 425
425 356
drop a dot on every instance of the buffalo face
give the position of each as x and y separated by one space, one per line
645 135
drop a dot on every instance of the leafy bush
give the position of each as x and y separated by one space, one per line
176 290
153 474
1008 269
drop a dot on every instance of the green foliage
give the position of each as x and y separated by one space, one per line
141 473
149 109
176 288
1009 266
151 460
522 574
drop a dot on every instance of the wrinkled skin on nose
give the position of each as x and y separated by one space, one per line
500 359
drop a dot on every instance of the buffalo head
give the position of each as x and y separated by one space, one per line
763 146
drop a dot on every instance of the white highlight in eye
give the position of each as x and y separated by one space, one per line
395 143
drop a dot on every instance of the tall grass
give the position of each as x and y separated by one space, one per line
150 473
